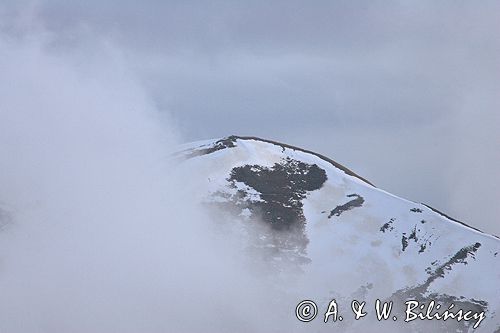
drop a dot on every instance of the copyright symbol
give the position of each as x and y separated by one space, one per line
306 311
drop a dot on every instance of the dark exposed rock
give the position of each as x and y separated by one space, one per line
388 225
420 292
281 189
228 142
357 202
413 234
404 242
459 257
422 241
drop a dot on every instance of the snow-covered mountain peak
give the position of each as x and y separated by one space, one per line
323 220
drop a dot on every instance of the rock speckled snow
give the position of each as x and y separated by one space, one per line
343 233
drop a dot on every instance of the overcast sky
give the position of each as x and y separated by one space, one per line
406 93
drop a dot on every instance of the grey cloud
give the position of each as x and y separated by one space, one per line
403 92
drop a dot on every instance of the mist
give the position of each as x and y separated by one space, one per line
385 88
99 229
100 232
392 88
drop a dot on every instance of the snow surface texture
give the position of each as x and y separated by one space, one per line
306 214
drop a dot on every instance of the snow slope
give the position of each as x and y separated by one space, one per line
349 238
